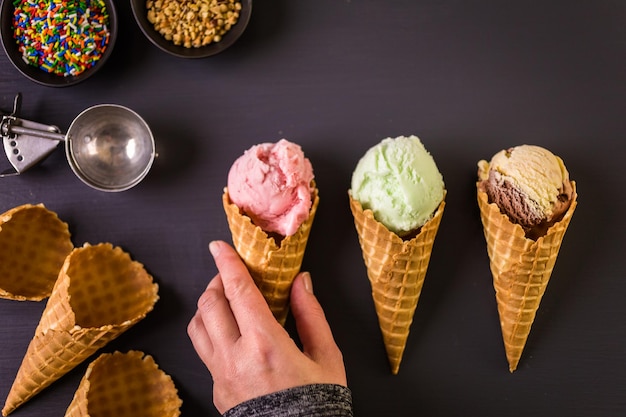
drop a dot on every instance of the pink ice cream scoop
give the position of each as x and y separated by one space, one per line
272 184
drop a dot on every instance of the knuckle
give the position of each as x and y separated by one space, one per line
192 329
195 328
208 300
263 352
261 348
241 287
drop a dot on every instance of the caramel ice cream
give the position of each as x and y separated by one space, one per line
529 184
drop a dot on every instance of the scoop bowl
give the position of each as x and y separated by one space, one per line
110 147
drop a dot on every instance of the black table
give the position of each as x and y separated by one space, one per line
469 78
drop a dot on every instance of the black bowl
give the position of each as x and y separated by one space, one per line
38 75
229 38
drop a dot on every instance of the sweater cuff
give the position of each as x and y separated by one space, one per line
315 400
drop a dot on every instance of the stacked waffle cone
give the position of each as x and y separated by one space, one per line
396 269
125 385
34 242
521 269
273 261
99 294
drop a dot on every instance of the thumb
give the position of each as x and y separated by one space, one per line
314 331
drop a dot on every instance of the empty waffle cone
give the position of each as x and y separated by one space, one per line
33 245
396 269
125 385
521 269
273 264
100 293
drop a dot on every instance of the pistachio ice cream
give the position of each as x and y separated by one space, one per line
399 181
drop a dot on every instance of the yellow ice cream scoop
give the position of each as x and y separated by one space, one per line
529 184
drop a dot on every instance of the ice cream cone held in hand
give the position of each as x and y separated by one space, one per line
526 202
397 201
270 203
99 294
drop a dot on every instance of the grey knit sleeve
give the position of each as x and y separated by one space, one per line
316 400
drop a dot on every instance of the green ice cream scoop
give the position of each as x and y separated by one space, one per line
399 181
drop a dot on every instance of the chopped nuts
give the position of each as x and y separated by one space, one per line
193 23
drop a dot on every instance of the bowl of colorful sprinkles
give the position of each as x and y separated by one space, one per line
192 28
58 43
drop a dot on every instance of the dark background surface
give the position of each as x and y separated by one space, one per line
469 78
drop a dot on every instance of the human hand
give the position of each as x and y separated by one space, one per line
247 351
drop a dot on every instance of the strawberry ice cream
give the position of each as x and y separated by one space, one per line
272 184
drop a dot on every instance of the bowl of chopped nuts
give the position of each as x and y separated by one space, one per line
192 29
61 46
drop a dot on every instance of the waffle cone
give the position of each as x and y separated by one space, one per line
33 245
125 385
521 268
396 269
99 294
273 265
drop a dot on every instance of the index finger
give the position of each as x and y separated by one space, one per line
246 301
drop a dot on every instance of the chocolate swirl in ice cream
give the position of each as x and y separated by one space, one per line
529 184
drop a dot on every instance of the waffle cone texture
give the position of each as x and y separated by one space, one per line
273 264
396 269
34 242
99 294
521 269
125 385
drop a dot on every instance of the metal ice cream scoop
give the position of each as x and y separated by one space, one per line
109 147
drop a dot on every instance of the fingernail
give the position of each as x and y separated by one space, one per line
308 283
215 248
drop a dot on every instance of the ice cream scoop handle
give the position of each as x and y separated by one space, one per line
20 130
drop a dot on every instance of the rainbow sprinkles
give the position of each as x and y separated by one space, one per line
61 37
